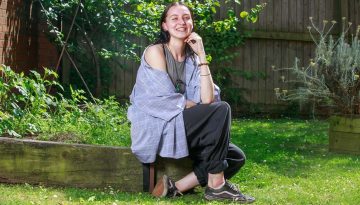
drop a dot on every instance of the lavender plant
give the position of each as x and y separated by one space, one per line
332 76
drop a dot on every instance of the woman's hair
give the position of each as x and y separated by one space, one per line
164 36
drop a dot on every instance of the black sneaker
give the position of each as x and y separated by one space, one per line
229 192
165 187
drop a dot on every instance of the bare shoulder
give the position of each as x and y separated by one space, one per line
154 56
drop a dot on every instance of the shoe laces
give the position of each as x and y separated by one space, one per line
173 191
176 193
233 187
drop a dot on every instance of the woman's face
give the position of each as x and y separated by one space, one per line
178 22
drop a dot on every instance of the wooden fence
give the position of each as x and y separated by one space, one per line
278 37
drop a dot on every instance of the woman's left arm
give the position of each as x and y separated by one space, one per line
206 81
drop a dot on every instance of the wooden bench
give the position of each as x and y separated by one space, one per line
79 165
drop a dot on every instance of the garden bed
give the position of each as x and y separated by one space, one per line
78 165
344 135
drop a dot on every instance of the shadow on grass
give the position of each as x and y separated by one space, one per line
112 196
289 147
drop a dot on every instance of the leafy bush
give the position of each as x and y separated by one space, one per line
26 109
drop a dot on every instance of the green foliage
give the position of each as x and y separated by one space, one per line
287 163
332 77
26 109
23 100
112 29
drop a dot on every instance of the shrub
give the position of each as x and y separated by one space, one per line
26 109
332 76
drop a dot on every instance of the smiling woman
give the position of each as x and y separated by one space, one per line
176 112
178 22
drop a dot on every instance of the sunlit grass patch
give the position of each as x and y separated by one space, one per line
288 162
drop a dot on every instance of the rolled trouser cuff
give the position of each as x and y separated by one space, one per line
201 175
216 167
201 170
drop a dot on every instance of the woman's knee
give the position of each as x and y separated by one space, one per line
224 105
236 159
222 108
236 156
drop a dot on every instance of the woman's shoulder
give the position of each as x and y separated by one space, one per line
154 56
155 47
155 50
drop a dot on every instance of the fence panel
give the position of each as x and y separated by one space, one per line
278 37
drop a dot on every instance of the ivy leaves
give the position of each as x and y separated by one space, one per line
121 21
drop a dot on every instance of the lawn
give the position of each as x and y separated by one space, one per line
287 163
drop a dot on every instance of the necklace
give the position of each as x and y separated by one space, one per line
179 84
173 68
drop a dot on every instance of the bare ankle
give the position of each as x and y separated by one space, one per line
216 181
218 185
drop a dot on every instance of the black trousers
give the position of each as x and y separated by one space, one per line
208 135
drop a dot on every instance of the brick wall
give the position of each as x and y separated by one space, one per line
23 44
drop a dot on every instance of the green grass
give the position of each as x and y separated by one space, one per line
287 163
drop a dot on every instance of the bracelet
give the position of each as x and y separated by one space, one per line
201 64
206 74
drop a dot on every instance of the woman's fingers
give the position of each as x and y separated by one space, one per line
195 42
192 41
193 38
